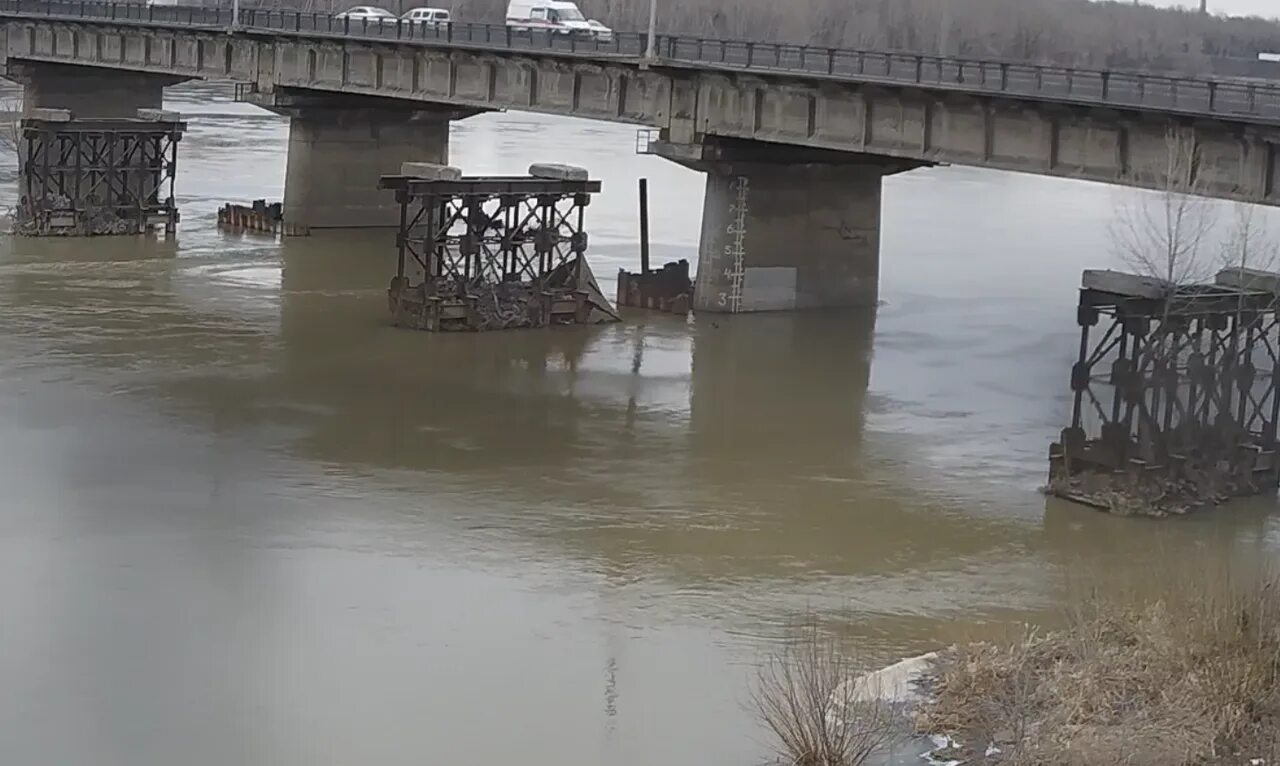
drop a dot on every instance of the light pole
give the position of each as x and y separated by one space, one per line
944 29
235 15
652 50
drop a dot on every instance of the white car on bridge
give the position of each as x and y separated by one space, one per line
367 14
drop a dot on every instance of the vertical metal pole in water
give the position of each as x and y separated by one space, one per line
27 171
402 236
644 226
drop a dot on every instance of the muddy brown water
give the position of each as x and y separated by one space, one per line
246 521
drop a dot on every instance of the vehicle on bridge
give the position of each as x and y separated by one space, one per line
368 14
557 16
428 17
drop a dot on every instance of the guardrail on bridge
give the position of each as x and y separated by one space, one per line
1255 101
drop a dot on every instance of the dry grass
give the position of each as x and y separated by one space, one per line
1189 678
804 697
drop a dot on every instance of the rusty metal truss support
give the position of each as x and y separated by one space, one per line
485 230
85 177
515 244
1180 384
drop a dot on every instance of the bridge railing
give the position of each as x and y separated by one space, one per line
1190 95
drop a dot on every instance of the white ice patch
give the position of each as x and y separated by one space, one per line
941 742
897 683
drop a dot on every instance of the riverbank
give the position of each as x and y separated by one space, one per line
1192 677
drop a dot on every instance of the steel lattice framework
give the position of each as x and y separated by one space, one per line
489 230
1176 384
507 240
98 176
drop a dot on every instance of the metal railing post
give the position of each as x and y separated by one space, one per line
1106 85
1213 95
831 61
751 53
1004 76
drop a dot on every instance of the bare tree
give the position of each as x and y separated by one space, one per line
1248 245
10 127
1162 235
806 697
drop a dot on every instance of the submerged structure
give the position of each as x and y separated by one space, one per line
260 217
493 252
1175 401
668 289
83 177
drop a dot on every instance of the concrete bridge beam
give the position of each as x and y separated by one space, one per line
89 92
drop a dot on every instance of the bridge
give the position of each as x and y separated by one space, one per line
794 140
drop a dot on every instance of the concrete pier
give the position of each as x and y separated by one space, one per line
785 228
782 237
89 92
336 157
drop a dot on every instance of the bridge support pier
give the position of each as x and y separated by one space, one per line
782 237
341 144
786 228
89 92
336 157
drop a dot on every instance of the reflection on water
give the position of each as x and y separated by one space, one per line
250 522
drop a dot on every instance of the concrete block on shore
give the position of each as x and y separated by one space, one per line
159 115
558 172
1256 280
429 171
1120 283
50 115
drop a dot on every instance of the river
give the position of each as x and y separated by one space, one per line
245 521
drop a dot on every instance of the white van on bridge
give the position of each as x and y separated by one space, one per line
557 16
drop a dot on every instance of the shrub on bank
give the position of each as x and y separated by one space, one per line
806 698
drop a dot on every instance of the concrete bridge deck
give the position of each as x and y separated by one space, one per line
794 139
